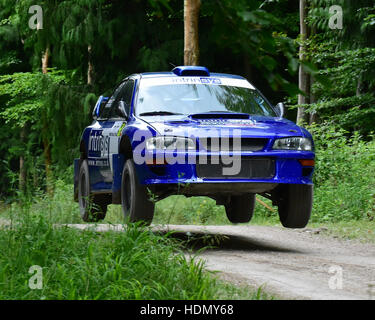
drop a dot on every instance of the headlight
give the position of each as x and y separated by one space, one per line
170 143
293 143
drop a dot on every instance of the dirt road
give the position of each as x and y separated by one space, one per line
292 264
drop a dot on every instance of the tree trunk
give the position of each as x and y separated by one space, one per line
46 143
45 60
90 67
361 86
314 114
191 18
48 164
22 175
247 68
303 76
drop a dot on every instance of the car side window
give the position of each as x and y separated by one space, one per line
125 95
105 112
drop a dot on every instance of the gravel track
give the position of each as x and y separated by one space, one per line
291 264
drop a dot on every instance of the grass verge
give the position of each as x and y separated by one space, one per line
134 264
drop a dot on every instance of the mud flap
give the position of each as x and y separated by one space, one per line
77 164
118 161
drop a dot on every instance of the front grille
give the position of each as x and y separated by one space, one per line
250 168
233 144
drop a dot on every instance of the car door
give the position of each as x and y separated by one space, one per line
116 123
98 147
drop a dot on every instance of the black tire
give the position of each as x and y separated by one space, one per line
240 209
295 205
92 207
135 201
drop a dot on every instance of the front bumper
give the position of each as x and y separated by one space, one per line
287 169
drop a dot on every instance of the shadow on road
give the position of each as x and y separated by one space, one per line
196 240
199 240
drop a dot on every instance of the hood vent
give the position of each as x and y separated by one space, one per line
211 115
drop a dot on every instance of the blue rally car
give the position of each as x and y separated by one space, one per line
194 133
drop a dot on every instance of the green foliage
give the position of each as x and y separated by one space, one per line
354 113
23 93
356 13
246 27
10 47
349 101
344 183
344 68
44 107
72 106
369 20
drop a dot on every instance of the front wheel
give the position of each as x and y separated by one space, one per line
240 209
295 205
135 201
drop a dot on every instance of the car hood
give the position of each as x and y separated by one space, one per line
223 125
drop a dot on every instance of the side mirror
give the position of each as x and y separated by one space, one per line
122 109
280 109
101 101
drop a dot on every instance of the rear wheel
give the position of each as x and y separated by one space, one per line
92 207
295 205
240 209
135 201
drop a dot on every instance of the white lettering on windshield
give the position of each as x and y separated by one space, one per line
230 82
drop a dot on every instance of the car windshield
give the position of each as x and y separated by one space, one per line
186 99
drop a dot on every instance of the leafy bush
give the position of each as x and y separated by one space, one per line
344 180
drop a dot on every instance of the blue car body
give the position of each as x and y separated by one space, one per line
110 140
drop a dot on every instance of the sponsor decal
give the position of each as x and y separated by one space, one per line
231 82
99 143
210 81
120 130
98 163
231 123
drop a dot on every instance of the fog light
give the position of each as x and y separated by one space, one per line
307 163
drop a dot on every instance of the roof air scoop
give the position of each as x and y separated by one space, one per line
191 71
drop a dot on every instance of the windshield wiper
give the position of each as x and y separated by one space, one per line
160 113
